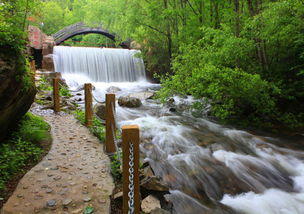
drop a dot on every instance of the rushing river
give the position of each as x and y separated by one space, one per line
208 165
210 168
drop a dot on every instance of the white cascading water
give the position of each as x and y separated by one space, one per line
100 64
210 169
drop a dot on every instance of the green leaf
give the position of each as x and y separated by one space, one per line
88 210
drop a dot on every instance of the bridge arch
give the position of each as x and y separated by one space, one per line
81 28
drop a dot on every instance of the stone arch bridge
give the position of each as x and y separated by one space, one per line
81 28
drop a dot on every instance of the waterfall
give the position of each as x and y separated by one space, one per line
100 64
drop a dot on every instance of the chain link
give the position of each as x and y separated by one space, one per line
96 100
114 115
131 179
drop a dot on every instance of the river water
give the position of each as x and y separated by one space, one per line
209 168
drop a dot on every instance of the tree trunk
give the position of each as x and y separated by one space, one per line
237 17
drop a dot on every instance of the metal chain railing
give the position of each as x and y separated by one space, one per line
114 134
96 100
131 179
114 115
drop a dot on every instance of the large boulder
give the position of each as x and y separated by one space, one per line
153 183
16 92
130 102
100 110
36 37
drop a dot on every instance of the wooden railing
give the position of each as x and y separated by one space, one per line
130 145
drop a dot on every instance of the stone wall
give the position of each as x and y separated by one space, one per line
40 41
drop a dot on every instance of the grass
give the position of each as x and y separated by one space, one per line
25 147
45 86
115 167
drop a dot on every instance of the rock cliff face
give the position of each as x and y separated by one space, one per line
17 92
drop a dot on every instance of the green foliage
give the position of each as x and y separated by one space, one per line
13 22
116 167
53 18
64 91
32 129
22 148
249 60
44 85
88 210
254 77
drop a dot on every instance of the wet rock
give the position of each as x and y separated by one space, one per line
142 95
159 211
100 110
130 102
150 203
113 89
171 101
172 109
154 183
49 98
147 172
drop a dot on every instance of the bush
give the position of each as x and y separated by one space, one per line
22 148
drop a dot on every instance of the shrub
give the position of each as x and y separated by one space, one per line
22 148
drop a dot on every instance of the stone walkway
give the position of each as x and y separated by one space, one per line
74 175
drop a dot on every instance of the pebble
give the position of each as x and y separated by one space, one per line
51 203
66 202
77 211
58 177
49 190
87 199
20 196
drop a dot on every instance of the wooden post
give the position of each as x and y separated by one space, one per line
110 123
57 75
56 97
130 134
33 66
88 104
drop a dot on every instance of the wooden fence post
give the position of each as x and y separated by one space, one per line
33 65
110 123
56 97
88 104
130 134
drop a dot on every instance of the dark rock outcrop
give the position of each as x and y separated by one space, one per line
17 91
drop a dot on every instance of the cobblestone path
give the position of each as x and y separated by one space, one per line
74 175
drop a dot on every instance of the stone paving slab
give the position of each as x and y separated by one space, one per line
75 174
